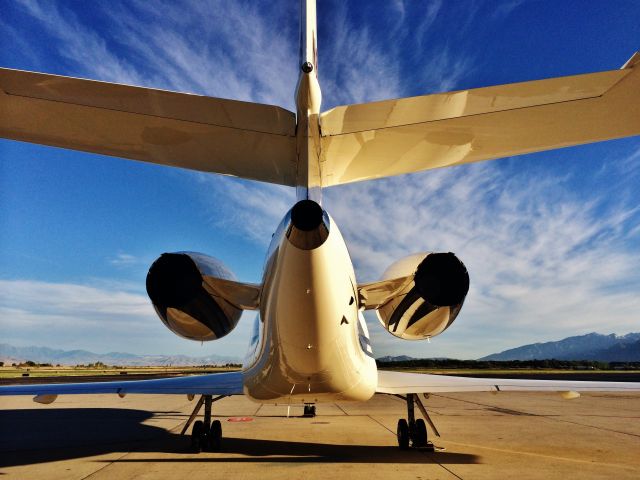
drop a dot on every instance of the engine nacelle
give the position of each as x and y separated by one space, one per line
431 298
182 299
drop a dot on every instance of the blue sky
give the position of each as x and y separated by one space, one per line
551 240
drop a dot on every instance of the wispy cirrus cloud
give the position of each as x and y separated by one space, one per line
124 259
506 8
86 49
250 209
180 50
544 261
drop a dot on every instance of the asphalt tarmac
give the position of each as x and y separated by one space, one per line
508 435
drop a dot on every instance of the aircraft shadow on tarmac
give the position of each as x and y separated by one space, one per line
37 436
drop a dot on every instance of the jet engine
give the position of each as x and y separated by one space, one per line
424 294
185 290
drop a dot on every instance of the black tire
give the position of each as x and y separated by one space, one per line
419 434
403 434
197 435
215 436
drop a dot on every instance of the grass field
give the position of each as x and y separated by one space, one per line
509 371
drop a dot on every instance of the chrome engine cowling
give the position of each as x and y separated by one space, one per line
182 299
431 298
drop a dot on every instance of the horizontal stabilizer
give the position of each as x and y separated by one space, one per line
393 137
229 137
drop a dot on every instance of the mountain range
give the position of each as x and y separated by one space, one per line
592 346
10 354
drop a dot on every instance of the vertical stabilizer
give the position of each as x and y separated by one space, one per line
308 36
308 99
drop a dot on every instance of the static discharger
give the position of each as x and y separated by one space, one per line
569 395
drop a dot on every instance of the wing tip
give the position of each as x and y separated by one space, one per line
633 61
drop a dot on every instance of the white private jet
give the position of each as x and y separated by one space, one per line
310 343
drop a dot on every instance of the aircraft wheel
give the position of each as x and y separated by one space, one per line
419 434
197 435
215 436
403 434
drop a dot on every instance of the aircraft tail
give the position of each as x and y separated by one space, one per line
308 36
308 100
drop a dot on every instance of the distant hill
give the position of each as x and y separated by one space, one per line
10 354
405 358
398 358
593 346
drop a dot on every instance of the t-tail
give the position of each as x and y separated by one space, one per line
308 100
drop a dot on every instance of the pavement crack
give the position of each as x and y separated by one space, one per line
111 462
341 409
382 425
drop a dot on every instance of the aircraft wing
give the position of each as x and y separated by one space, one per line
227 383
402 382
381 139
229 137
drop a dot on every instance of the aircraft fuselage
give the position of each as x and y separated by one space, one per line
310 343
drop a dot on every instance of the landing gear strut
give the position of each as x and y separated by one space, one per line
412 432
205 435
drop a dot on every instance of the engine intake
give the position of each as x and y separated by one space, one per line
176 287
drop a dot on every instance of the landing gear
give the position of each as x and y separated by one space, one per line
309 410
419 433
205 435
215 436
403 434
414 431
198 437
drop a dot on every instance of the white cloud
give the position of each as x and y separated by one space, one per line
74 299
124 259
97 318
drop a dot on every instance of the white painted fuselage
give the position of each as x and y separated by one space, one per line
310 343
